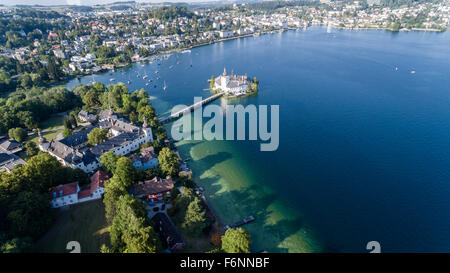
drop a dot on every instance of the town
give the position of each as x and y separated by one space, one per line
86 40
97 157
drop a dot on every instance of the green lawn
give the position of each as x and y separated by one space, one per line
52 123
48 135
84 222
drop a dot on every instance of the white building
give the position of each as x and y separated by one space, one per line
64 195
73 151
226 33
232 84
70 194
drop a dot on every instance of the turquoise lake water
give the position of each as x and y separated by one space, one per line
364 149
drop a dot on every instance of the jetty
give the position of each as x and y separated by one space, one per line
190 108
241 223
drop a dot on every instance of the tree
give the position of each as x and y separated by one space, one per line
18 134
32 149
66 132
124 173
29 214
17 245
195 219
211 83
108 161
139 237
91 98
236 241
130 230
112 194
105 249
168 161
96 136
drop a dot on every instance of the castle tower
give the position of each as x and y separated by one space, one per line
224 79
147 130
144 125
43 144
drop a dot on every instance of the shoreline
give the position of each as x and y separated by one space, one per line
255 34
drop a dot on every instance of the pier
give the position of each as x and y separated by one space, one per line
190 108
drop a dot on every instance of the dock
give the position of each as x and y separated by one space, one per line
190 108
241 222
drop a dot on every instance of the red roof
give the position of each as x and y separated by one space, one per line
84 193
65 189
97 180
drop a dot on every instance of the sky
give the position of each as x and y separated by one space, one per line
81 2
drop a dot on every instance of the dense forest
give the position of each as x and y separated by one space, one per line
170 13
26 108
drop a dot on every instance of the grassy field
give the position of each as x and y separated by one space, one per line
83 222
52 123
52 126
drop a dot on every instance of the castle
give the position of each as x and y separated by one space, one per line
232 84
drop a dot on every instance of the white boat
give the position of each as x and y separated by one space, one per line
413 71
165 86
145 77
112 79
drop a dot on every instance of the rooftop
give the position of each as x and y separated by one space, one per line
154 186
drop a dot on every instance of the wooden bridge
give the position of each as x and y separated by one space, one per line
190 108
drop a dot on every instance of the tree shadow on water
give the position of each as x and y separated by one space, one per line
268 231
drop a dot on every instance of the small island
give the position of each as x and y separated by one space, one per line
234 85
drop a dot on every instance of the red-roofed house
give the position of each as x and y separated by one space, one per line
64 195
52 35
97 182
70 194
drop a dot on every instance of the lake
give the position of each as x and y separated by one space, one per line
364 150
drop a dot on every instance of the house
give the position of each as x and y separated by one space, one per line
63 195
85 116
96 187
9 161
10 146
226 33
146 160
59 54
69 194
232 84
154 190
170 237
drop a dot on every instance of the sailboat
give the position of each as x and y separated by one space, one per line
165 86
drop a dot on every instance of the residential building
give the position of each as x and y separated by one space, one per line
147 159
155 190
